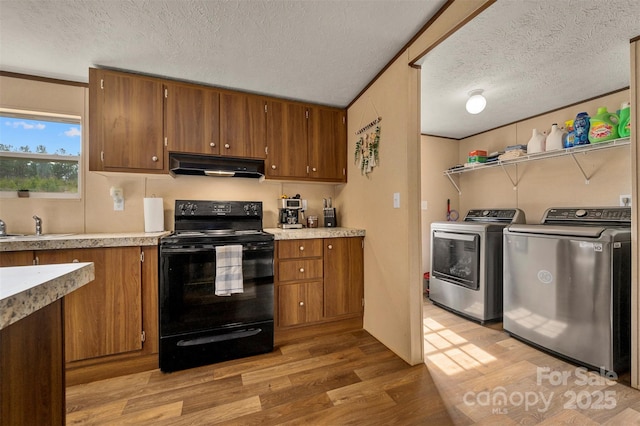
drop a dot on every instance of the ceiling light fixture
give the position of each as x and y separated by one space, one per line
476 102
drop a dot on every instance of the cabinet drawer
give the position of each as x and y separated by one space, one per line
293 249
291 270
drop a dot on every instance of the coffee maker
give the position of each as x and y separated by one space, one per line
289 213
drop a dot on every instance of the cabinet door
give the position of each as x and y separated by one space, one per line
327 144
131 115
242 125
299 303
343 276
16 258
286 140
103 317
192 120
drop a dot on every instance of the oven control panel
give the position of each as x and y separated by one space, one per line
218 208
588 214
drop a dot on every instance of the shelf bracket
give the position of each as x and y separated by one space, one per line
513 182
453 183
586 178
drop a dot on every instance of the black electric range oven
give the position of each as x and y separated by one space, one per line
198 325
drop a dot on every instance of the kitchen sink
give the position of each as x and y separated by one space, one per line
32 237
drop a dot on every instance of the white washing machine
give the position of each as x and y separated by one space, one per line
466 263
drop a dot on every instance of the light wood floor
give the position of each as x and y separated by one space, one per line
348 378
351 378
474 365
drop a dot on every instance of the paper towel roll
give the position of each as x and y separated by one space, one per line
153 215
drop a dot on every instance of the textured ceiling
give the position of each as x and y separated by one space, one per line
530 57
323 51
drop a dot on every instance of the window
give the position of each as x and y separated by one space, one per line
40 153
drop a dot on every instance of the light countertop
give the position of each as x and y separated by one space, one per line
72 241
25 289
308 233
130 239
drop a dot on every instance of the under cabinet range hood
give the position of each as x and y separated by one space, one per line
209 165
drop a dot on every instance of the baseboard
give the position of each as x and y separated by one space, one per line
287 335
102 369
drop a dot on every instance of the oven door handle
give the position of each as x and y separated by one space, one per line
209 249
184 250
450 236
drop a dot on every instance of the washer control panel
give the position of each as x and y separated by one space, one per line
620 215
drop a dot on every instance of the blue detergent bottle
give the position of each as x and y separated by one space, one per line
581 129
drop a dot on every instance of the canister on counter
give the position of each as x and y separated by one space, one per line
312 221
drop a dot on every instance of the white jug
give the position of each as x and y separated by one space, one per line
536 143
554 139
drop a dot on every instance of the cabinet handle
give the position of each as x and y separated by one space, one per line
273 166
75 261
226 145
330 247
154 158
301 269
301 303
301 248
314 169
212 144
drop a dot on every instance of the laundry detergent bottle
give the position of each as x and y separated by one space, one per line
570 136
624 127
603 126
581 129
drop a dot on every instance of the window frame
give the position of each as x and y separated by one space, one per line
47 116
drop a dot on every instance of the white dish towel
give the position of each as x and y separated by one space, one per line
229 270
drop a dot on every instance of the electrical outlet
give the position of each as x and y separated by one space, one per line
118 198
625 200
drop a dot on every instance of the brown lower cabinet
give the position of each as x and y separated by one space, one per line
32 379
318 281
111 324
103 317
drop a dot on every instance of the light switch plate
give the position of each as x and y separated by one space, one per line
396 200
424 205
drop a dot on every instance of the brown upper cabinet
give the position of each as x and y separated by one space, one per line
136 120
125 122
306 142
286 140
327 144
242 125
192 119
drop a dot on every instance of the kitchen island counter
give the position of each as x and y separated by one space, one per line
32 363
25 289
310 233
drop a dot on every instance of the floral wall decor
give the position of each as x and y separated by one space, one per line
366 155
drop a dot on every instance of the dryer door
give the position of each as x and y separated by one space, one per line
456 258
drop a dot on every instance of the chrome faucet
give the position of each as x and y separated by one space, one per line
38 225
3 228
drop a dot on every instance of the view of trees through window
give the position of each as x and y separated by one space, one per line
39 153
